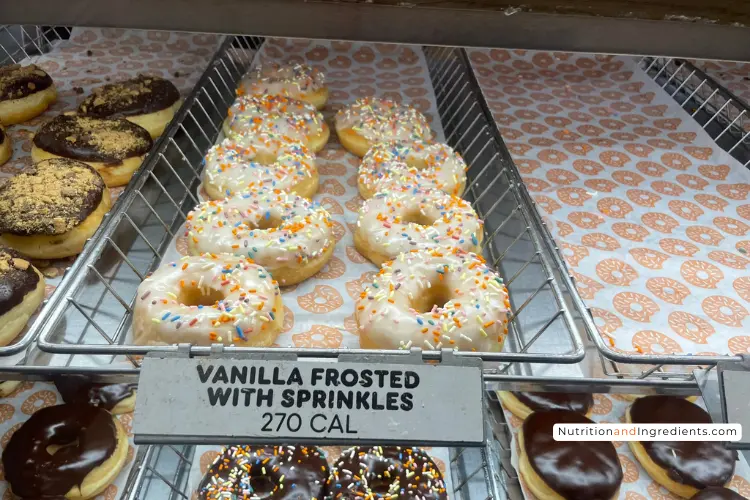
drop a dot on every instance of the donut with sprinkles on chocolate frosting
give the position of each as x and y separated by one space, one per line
274 473
385 472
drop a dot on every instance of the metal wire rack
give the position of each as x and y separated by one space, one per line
18 43
94 315
483 473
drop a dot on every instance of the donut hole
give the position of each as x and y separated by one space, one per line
195 296
417 217
54 448
434 297
263 486
267 222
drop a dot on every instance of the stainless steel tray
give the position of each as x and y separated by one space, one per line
94 315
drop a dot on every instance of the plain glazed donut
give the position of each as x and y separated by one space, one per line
21 293
148 101
91 449
555 470
682 467
50 209
114 147
25 92
6 146
286 234
235 167
297 81
523 404
411 162
271 472
385 472
208 299
371 120
413 217
434 299
280 117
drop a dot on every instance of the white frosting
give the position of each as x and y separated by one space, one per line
383 120
247 302
279 117
473 319
444 220
291 80
233 167
298 230
431 164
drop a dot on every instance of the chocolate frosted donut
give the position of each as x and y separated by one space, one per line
86 438
273 472
115 398
21 292
114 147
51 208
683 467
380 472
522 404
6 146
718 494
25 92
149 101
570 469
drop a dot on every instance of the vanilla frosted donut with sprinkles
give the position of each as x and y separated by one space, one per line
208 299
298 81
371 120
286 234
238 166
434 299
415 217
278 116
411 162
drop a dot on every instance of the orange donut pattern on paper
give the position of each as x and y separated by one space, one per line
691 327
616 272
319 336
616 165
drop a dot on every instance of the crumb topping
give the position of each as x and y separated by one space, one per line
51 197
93 139
18 81
140 95
17 278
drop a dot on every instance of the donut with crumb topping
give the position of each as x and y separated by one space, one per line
25 92
114 147
6 147
50 209
148 101
21 292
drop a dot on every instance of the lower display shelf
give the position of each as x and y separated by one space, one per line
171 472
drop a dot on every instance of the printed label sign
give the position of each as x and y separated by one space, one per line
249 401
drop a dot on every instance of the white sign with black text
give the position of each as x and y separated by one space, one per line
207 400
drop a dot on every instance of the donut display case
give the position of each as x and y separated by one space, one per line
567 226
